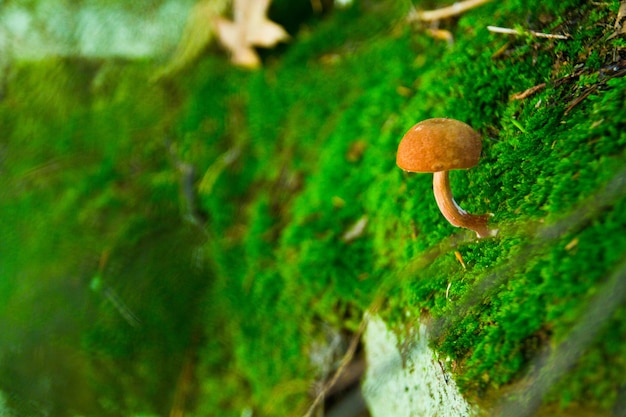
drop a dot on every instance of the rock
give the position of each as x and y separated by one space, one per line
411 384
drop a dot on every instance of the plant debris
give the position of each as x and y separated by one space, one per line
250 28
508 31
445 12
620 21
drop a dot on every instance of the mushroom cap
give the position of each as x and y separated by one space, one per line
439 145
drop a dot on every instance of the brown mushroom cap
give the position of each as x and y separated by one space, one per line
439 145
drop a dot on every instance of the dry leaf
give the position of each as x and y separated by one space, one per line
250 28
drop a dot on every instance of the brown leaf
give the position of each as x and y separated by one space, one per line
250 28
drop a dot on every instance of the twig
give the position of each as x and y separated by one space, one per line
345 361
579 99
445 12
509 31
528 92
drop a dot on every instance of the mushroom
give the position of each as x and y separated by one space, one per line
438 146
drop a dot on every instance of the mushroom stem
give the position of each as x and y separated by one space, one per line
455 214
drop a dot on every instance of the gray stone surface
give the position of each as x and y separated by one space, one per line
93 29
407 384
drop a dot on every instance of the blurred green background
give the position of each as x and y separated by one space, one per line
180 246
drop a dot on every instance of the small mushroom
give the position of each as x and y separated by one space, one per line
438 146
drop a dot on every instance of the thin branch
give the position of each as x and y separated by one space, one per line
579 99
345 361
509 31
528 92
445 12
